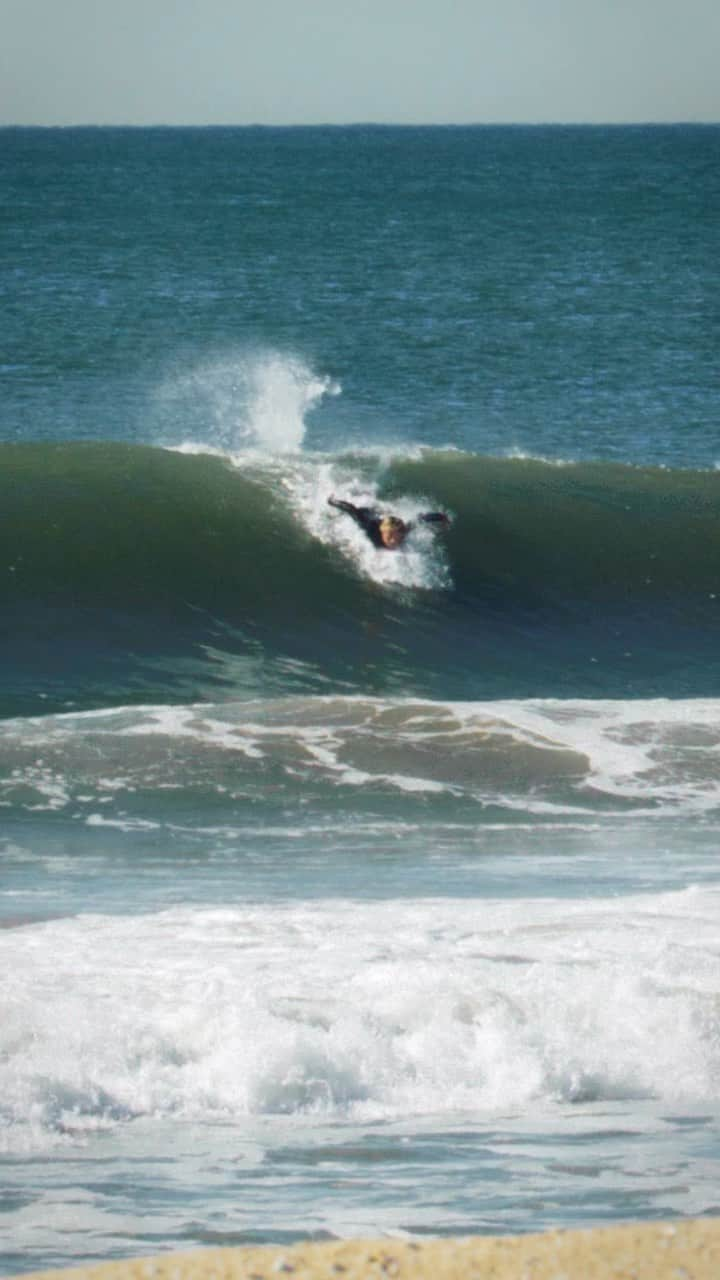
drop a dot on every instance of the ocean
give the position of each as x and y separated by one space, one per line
343 891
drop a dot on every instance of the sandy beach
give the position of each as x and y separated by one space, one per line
688 1250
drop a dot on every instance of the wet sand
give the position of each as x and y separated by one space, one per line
686 1250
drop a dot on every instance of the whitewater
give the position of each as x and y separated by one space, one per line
346 892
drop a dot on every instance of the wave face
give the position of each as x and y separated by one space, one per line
134 572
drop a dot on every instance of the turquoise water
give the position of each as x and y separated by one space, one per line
347 891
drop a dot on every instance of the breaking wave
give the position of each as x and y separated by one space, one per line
155 571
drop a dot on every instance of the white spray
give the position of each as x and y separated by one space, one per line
254 401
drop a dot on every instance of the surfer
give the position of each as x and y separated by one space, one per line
386 532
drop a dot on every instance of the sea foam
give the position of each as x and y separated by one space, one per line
356 1011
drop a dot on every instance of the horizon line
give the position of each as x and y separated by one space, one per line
372 124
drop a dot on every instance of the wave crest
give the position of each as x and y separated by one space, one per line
253 400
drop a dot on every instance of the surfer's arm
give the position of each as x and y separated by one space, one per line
342 505
363 516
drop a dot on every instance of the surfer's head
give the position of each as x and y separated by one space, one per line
393 531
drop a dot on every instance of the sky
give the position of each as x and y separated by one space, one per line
66 62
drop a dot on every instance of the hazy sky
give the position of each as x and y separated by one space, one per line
311 61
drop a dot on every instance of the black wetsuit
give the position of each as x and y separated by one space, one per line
369 520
